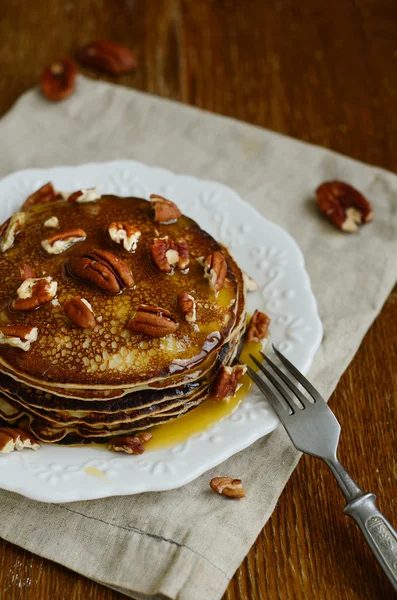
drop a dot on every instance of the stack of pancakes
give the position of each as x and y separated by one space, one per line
76 384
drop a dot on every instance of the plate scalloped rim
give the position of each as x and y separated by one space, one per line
58 474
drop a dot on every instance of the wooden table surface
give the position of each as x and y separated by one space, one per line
325 72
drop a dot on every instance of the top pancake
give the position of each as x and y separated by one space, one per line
109 355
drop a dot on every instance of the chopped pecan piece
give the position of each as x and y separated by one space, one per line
58 242
343 205
18 336
227 382
9 229
215 270
165 211
187 304
258 327
34 292
166 254
80 312
82 196
153 321
124 233
226 486
43 195
107 56
58 79
14 438
250 284
102 269
26 271
130 444
52 222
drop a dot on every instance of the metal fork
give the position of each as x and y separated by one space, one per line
314 429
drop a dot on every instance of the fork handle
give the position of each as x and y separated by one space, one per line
379 533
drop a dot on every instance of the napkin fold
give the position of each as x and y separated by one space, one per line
187 543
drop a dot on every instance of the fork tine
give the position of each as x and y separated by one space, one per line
302 380
276 384
287 381
268 392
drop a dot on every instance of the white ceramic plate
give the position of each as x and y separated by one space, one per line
264 250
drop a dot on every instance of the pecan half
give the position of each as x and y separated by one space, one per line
58 79
52 222
153 321
165 211
250 284
258 327
187 304
43 195
80 312
227 382
9 229
215 270
61 240
18 336
343 205
26 271
226 486
103 269
82 196
34 292
107 56
166 254
130 444
58 242
14 438
124 233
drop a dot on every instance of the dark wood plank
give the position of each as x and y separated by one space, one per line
322 72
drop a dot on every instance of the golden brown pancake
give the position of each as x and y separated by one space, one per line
77 383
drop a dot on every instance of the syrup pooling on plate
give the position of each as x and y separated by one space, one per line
208 414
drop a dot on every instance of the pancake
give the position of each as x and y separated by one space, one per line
107 376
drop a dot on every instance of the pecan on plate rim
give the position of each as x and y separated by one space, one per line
258 327
130 444
15 438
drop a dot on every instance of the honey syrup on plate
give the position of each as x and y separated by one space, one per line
200 419
207 414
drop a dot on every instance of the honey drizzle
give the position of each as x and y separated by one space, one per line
94 472
207 414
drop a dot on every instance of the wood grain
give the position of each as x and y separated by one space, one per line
325 72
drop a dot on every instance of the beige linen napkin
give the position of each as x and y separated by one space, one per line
187 543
